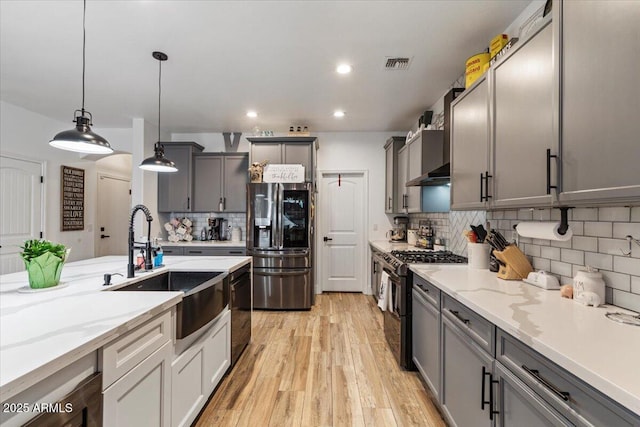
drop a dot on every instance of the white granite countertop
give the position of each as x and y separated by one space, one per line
42 332
206 244
601 352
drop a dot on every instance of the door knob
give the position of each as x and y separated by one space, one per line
102 236
326 239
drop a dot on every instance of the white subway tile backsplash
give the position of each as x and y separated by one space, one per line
510 214
542 215
626 265
532 250
577 228
572 256
614 214
635 214
525 214
561 268
549 252
584 214
626 299
560 244
585 243
617 280
612 246
542 264
623 229
598 229
599 261
635 284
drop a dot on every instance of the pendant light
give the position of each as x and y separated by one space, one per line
159 163
82 139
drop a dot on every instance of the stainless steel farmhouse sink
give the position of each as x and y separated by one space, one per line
206 294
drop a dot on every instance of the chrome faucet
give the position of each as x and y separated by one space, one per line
148 265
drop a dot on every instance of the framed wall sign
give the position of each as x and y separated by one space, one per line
283 173
72 198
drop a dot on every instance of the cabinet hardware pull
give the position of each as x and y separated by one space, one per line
491 384
195 252
235 252
389 204
486 185
188 203
460 318
564 395
104 236
481 187
326 239
482 398
549 157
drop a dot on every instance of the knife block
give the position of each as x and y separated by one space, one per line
517 266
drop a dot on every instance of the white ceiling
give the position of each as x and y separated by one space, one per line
226 57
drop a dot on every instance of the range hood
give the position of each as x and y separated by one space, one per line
437 176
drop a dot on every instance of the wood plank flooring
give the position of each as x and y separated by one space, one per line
329 366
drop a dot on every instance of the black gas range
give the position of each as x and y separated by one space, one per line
397 319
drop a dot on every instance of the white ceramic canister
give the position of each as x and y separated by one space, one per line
478 254
588 281
236 234
412 237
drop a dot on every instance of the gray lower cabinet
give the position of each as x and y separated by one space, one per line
173 250
203 251
426 333
220 182
600 100
175 190
518 405
466 369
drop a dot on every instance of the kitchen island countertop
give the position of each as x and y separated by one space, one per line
601 352
44 331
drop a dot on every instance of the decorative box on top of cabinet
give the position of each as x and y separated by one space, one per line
175 190
220 181
286 150
391 195
600 98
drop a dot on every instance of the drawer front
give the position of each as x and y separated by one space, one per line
430 292
123 354
477 327
172 250
215 251
576 400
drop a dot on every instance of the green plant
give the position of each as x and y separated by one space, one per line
34 248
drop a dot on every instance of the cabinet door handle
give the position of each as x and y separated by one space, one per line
481 187
549 157
460 318
483 394
564 395
489 402
235 252
188 203
224 203
486 185
195 252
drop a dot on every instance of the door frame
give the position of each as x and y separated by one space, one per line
96 229
320 229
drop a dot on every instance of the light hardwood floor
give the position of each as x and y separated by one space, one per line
329 366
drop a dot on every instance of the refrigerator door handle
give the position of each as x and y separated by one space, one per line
280 213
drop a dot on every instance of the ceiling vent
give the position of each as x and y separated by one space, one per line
397 63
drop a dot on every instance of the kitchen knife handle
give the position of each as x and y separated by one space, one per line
549 157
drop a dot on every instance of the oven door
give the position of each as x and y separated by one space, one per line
392 318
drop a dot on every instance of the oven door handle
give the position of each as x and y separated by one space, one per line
391 274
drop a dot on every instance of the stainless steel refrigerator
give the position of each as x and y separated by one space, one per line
280 239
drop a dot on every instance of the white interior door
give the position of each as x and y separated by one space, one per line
342 218
21 209
114 207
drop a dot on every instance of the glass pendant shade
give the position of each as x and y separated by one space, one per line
81 139
158 163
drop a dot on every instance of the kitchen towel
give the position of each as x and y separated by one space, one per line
543 230
384 295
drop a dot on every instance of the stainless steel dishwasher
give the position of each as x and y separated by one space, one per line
240 304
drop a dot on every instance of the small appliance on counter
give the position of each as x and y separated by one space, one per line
426 236
399 231
218 229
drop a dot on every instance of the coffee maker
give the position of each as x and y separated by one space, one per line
218 229
399 231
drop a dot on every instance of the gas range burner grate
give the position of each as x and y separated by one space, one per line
436 257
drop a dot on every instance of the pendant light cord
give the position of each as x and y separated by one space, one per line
159 95
84 42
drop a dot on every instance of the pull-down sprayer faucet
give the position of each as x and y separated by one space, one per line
148 265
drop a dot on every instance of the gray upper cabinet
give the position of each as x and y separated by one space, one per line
401 179
175 190
470 147
286 150
523 118
392 203
220 182
600 130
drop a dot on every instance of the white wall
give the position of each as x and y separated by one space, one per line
26 134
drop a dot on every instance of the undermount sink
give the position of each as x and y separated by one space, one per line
206 294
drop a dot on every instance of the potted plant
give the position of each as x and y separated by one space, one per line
43 261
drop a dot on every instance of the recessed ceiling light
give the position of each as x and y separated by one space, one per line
344 69
252 114
338 114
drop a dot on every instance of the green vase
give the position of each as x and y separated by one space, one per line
44 271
